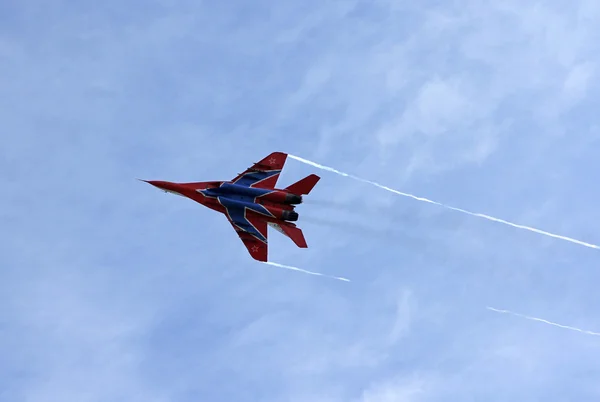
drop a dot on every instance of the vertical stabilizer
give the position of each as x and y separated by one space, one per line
303 186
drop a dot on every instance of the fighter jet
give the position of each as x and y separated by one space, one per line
251 202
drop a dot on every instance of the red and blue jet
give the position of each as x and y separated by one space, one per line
251 202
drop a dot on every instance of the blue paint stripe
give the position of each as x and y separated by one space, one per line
236 211
250 178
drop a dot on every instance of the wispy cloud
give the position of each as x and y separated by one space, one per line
136 295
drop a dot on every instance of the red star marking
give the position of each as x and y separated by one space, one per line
254 249
272 161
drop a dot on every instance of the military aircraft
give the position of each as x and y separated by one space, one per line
251 202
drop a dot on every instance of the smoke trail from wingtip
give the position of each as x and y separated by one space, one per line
544 321
305 271
490 218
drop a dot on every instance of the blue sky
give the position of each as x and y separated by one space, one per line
111 290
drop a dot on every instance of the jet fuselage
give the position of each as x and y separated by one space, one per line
251 202
226 197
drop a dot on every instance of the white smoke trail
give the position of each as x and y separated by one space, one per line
490 218
544 321
305 271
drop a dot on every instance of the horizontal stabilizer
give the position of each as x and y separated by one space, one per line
295 234
303 186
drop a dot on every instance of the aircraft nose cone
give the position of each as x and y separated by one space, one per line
163 185
153 182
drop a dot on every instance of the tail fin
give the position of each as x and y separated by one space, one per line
291 231
303 186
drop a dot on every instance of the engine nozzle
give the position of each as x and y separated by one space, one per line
289 215
293 199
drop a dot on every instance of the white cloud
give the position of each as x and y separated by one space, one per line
578 79
448 74
396 390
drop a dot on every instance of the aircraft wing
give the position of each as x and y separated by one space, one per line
263 174
252 231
